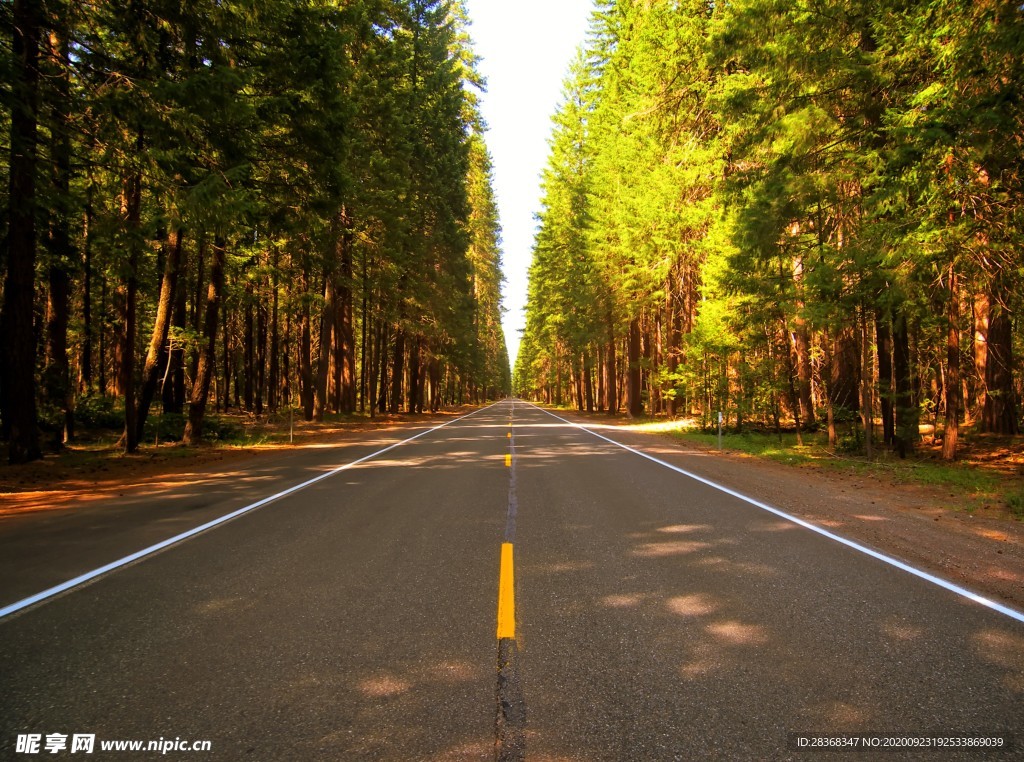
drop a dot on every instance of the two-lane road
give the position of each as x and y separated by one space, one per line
655 617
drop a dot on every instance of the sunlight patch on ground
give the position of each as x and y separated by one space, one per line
454 672
660 549
738 633
383 686
626 600
743 567
1004 649
660 427
901 631
695 669
684 528
842 716
694 605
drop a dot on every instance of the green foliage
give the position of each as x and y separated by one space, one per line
100 412
331 153
786 197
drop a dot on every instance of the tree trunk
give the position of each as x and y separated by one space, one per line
398 372
867 412
261 355
204 373
324 355
634 382
17 381
103 335
382 368
174 392
346 333
274 376
980 312
907 424
156 357
85 373
128 302
952 380
249 347
1000 412
197 304
435 385
610 371
577 383
804 371
558 377
588 382
883 341
228 367
791 380
306 360
58 374
414 376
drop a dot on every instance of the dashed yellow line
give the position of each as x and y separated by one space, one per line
508 459
506 595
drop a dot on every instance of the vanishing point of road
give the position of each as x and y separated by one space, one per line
508 583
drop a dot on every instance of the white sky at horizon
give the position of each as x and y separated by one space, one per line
526 48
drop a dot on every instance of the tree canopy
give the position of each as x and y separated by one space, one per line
245 206
797 214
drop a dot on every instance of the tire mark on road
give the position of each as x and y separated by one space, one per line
510 725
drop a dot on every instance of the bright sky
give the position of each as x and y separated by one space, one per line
526 47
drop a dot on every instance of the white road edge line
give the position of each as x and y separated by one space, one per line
113 565
961 591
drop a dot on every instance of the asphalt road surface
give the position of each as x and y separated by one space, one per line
508 584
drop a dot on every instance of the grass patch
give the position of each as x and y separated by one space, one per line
762 445
1015 502
967 480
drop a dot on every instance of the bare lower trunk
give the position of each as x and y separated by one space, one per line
326 327
867 405
17 382
204 372
610 372
883 341
907 423
306 362
156 357
128 302
397 372
635 379
952 381
1000 412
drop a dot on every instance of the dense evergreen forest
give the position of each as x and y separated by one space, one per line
242 205
801 213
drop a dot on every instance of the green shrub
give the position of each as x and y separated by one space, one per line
98 412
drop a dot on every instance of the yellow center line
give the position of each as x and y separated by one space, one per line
508 459
506 595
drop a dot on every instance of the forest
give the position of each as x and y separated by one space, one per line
211 205
802 214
